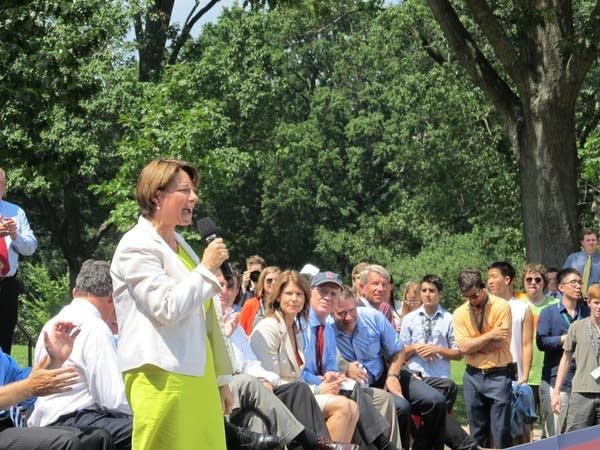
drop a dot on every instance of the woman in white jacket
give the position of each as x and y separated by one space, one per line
163 299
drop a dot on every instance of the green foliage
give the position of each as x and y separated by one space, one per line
450 253
324 132
19 353
65 82
43 296
321 135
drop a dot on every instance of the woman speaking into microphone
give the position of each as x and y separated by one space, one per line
169 341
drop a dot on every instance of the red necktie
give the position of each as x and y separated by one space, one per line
4 264
319 349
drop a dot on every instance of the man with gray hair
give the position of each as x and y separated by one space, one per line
375 288
98 398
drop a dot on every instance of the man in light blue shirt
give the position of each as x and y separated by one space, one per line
577 260
16 238
428 333
366 339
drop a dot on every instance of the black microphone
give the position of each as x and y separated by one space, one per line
208 231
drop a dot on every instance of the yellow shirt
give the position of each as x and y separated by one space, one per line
496 314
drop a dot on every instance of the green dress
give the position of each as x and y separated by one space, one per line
172 411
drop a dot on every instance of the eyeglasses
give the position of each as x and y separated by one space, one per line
573 282
530 280
472 296
185 191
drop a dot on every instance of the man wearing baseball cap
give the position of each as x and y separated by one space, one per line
377 424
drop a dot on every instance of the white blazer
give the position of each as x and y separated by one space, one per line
272 344
159 303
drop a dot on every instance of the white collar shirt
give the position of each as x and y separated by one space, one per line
100 385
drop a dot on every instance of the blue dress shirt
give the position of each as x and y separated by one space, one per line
10 372
310 373
577 261
439 332
553 322
373 339
25 244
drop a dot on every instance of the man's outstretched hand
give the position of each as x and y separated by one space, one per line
43 381
59 343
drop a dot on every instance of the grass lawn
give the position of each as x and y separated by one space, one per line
19 353
457 368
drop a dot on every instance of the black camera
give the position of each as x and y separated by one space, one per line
254 275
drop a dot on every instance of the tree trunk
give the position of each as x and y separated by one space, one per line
538 109
151 32
547 161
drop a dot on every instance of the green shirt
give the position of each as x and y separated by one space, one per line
535 373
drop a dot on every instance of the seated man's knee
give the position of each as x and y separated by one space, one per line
402 406
344 406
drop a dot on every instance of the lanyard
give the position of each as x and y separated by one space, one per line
567 318
594 338
479 322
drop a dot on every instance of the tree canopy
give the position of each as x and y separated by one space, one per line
325 132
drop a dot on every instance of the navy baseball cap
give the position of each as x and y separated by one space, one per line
326 277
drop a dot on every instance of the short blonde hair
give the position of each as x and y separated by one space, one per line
593 291
157 175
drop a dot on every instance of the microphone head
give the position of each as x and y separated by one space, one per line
207 227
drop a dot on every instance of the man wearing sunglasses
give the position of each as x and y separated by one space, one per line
482 328
534 285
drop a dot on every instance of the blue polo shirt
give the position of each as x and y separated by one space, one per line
373 339
554 321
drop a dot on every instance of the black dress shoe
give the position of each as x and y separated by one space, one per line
326 444
241 438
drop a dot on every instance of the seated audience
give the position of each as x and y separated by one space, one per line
368 342
378 423
98 398
277 342
18 389
289 409
375 288
428 336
